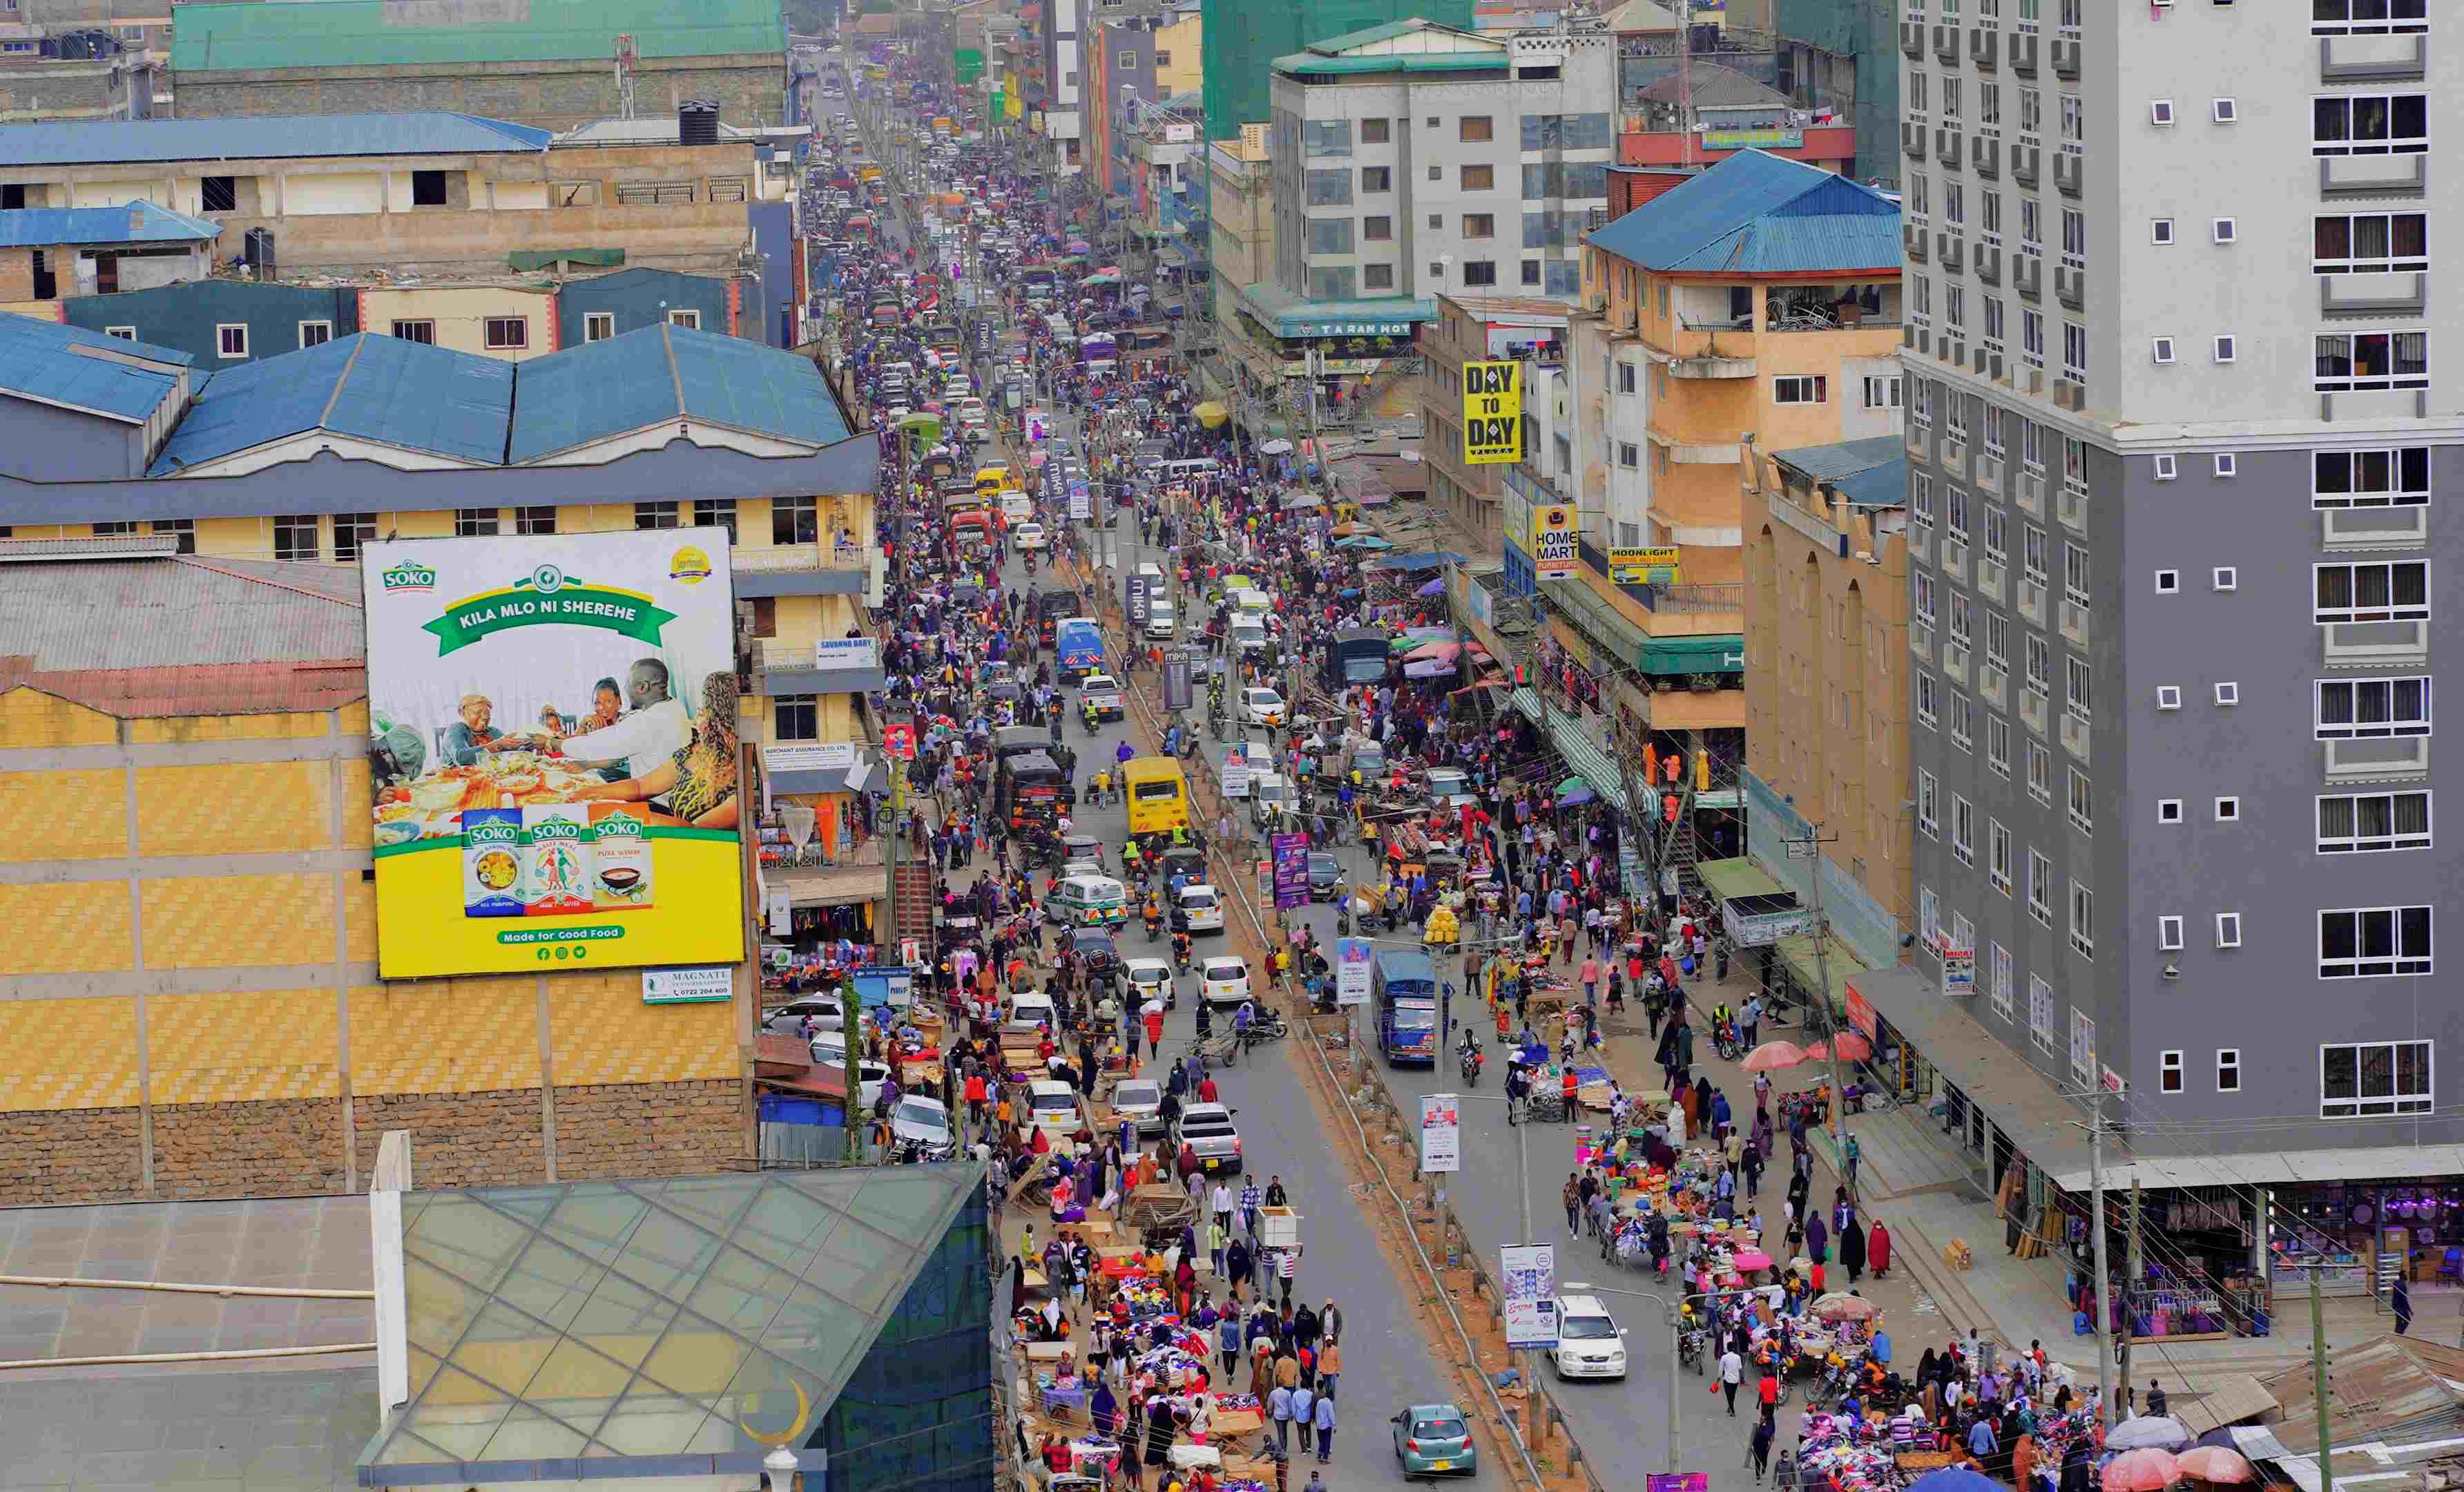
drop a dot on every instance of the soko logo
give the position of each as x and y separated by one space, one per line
407 576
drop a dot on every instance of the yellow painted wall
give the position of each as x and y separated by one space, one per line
461 314
446 1035
237 922
251 809
1183 39
64 815
603 1034
32 718
79 928
229 1048
69 1054
39 310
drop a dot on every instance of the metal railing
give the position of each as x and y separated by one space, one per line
1727 595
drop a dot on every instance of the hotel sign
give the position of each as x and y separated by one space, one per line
1753 138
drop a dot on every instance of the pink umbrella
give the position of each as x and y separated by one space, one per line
1818 1051
2216 1464
1753 1258
2145 1470
1772 1054
1432 650
1852 1046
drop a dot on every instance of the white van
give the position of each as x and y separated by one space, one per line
1030 1009
1590 1343
1182 471
1160 620
1088 901
1016 507
1227 980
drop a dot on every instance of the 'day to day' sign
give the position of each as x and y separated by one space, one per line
1492 413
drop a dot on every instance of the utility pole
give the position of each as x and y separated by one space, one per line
2319 1383
2104 1276
1810 846
2130 1278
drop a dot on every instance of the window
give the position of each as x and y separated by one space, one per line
2169 811
2226 578
1629 454
1480 225
474 523
1928 804
1963 831
1373 132
2169 697
1473 128
2224 111
2075 572
2363 1079
1997 743
2169 1073
185 530
428 189
2370 124
2078 686
231 339
1326 137
1480 271
294 537
1164 59
2229 929
351 530
316 334
416 331
2082 1047
2398 478
2352 823
2168 934
2032 337
2372 359
794 520
1881 393
2082 803
109 531
2357 942
690 321
2160 230
2075 351
2168 582
218 194
1626 380
1377 276
2040 773
1479 178
2040 888
2040 1012
508 333
796 717
124 333
2039 676
1330 235
2367 244
1328 188
534 520
2083 919
1997 856
2228 1069
1800 391
1927 599
2228 693
2369 18
655 515
2223 349
715 513
2353 709
2163 350
2226 465
1376 178
2002 975
2167 468
2383 591
2223 230
2160 111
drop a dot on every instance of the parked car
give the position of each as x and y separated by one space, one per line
1433 1440
1261 707
1207 1129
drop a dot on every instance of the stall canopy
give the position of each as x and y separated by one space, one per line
1424 560
1715 654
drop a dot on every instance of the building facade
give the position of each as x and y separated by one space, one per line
1242 38
2113 468
1841 55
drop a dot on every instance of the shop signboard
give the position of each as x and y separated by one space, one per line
1644 567
1440 1133
884 984
1178 693
1860 1014
840 654
1529 1275
899 741
1555 541
1082 500
495 857
1351 971
1492 412
1958 972
1236 773
1762 929
709 984
1291 869
1767 139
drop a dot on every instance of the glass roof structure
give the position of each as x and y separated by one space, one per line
681 1326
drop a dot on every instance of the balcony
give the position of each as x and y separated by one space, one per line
2070 286
1955 560
1991 578
1912 140
1984 153
1945 43
2031 710
1991 681
1951 249
1914 240
1921 641
2066 57
1912 40
2028 277
2406 528
1947 148
2396 295
1983 42
2374 644
1920 543
2023 53
1920 441
2025 160
1954 456
1954 663
1712 364
2075 624
2070 173
1989 264
2074 733
2031 601
1989 474
2378 760
2070 506
2373 60
2032 494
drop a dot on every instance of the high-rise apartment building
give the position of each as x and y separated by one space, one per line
2171 544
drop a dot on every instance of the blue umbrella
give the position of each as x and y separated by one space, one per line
1954 1479
1433 587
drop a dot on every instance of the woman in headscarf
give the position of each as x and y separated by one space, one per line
1927 1366
1104 1410
700 781
1160 1431
1817 1240
1878 1250
1852 1247
1702 1110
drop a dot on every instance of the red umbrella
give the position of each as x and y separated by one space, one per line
2145 1470
1852 1046
1772 1054
1818 1051
2216 1464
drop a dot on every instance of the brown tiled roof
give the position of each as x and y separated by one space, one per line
201 689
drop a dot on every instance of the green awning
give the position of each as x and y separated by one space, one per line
1720 654
549 259
1588 761
1739 877
1529 704
1594 619
1798 954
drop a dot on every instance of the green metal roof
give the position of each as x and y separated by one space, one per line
214 38
1720 654
1318 63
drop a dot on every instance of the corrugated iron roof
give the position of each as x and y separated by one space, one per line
580 395
134 222
1755 213
174 613
273 136
2382 1386
1713 86
68 365
397 393
212 38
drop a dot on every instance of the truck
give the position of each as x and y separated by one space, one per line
1356 656
1078 646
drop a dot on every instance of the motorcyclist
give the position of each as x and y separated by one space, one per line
1155 916
1472 1058
1086 711
1180 953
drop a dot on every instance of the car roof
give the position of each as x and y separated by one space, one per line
1140 966
1581 1304
1084 934
1205 1111
1219 960
1198 885
924 1099
1049 1085
1434 1412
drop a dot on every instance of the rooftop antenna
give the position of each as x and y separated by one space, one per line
1684 10
626 62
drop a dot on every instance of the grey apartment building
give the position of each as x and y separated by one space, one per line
2175 438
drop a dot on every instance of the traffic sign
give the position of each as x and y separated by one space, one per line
899 741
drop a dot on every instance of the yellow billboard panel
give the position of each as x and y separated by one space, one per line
1492 413
1644 567
553 749
1555 541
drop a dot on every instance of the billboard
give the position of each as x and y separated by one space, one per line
1440 1133
1644 567
1492 412
552 752
1555 541
1530 1274
1351 971
1292 854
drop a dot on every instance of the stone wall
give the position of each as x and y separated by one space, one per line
662 1129
458 1139
278 1147
73 1155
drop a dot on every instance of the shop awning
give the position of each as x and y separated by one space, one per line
1739 877
2021 1101
1798 954
1589 762
1529 704
829 887
1582 607
2277 1168
1723 653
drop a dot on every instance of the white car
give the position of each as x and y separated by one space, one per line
1162 623
1053 1107
1150 978
1197 908
1590 1343
1103 691
925 1120
1261 707
1140 1101
1226 980
1028 536
1448 787
1247 638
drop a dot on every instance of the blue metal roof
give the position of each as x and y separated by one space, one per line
401 393
600 390
136 222
1759 213
275 137
44 359
1870 473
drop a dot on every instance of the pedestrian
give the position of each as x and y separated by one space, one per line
1852 1153
1279 1405
1329 1365
1852 1249
2400 1299
1759 1449
1324 1418
1733 1373
1573 1205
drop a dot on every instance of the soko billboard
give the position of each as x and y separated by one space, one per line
552 752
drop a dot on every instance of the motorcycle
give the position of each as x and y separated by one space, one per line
1181 952
1154 926
1471 1059
1087 714
1263 1028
